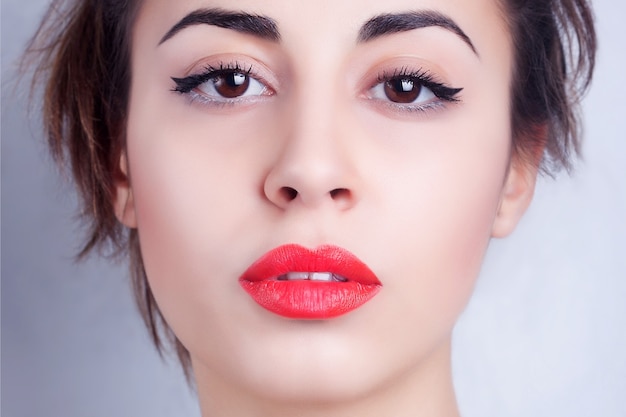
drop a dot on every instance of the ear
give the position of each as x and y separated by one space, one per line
519 187
123 202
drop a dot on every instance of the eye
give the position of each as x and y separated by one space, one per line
228 84
411 90
403 91
232 85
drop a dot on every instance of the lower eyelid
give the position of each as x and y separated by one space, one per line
410 107
201 99
391 109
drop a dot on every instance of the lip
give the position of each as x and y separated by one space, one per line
308 299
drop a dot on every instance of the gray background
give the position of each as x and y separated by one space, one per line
544 335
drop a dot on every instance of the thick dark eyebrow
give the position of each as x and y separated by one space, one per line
386 24
260 26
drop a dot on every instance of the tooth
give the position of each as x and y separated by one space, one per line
339 278
320 276
293 276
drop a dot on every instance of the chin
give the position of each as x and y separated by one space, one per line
319 362
312 382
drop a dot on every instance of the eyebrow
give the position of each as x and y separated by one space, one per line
386 24
266 28
260 26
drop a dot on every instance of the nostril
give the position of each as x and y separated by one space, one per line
340 193
289 193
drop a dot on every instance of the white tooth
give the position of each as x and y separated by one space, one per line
321 276
293 276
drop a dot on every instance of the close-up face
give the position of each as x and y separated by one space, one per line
378 129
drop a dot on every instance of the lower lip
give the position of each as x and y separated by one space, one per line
310 300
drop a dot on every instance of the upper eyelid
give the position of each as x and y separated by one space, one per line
234 62
424 74
407 72
208 70
403 64
424 77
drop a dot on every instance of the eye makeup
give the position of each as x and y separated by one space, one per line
400 89
411 90
225 83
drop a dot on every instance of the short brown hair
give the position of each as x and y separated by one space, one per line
81 55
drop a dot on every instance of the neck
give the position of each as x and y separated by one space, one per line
425 389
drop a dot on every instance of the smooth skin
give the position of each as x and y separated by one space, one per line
313 153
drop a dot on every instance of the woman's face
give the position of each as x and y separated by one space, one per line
388 137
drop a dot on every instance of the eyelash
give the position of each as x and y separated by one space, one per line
187 85
443 93
424 78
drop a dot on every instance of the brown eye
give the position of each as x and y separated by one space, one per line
406 91
231 85
402 90
225 85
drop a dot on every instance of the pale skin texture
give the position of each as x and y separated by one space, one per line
421 194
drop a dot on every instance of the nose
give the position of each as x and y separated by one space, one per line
314 166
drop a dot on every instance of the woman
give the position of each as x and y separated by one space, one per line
251 153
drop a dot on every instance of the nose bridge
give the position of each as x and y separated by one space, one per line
317 99
314 131
313 167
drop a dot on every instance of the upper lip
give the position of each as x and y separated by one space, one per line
295 258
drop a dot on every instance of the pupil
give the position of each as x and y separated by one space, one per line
402 90
232 85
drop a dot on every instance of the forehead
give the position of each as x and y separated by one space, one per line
330 22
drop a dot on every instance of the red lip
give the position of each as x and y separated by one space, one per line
308 299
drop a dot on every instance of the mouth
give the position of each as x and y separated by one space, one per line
299 283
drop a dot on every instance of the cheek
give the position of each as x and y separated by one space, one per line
190 175
186 195
198 192
439 209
